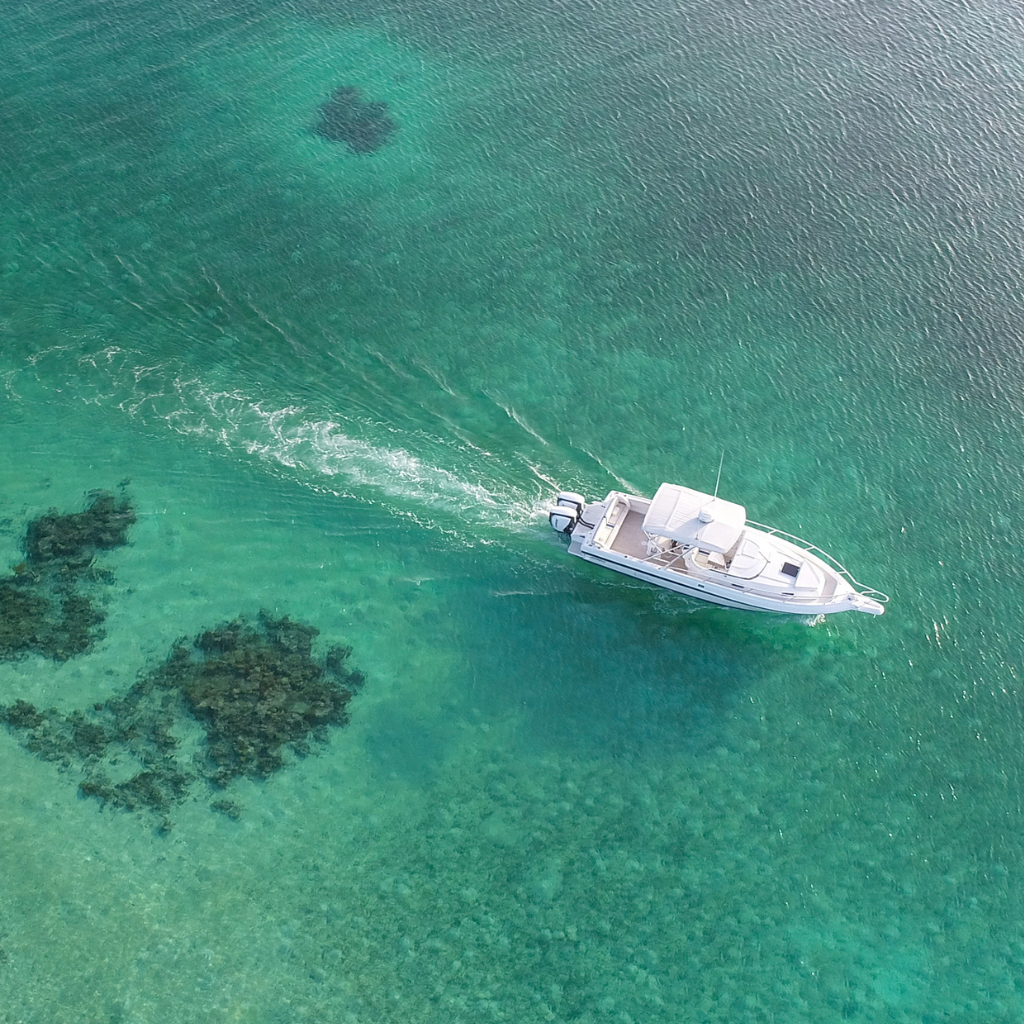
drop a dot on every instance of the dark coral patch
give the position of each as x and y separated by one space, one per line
149 790
103 525
363 125
251 692
228 808
256 691
37 617
48 605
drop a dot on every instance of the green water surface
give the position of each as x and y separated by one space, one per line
606 244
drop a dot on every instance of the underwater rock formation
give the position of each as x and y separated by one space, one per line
103 525
251 692
36 617
228 808
46 606
364 126
256 691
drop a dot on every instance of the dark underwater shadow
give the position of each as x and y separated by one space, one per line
618 668
402 745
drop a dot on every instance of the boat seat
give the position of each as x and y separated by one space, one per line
708 560
660 545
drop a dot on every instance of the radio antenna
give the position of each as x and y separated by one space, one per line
719 480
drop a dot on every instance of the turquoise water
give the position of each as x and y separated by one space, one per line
605 243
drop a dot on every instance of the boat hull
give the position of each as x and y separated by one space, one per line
595 539
703 591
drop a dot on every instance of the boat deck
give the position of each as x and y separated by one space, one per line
631 539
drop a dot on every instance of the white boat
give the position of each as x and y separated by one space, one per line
703 546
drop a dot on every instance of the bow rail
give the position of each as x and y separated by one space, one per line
875 595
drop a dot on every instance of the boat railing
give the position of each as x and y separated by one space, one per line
875 595
670 560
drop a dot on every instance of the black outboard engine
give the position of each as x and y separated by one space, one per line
567 512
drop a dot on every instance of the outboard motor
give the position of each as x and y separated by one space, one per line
570 499
566 514
563 519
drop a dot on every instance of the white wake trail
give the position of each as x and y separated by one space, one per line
445 483
325 454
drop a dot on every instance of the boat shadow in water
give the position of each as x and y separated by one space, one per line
622 668
402 745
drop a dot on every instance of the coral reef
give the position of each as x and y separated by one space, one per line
48 605
155 789
363 125
250 692
40 615
257 691
103 525
228 808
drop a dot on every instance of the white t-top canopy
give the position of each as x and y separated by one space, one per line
712 524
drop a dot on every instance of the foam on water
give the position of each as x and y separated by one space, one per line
318 453
320 450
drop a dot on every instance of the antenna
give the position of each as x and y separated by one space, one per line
719 480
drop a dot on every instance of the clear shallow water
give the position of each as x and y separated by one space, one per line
603 245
